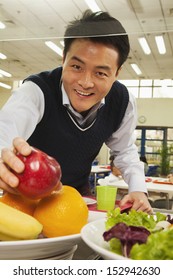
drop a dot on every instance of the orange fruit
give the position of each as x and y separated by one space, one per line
18 202
62 213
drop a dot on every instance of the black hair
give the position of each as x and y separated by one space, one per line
99 27
143 158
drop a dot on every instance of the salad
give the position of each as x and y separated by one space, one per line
140 236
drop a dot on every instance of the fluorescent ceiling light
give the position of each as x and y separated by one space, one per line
54 47
92 5
144 45
160 44
5 85
4 73
136 68
62 42
2 56
2 25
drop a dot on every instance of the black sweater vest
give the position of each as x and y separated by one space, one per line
56 134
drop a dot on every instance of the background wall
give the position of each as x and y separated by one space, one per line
155 111
4 97
151 112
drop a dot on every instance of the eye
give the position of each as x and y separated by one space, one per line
101 74
76 67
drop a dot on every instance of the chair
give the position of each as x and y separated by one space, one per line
161 203
152 171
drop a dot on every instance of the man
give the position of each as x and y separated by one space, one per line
170 177
70 112
114 170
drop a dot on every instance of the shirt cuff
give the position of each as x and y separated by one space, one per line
137 184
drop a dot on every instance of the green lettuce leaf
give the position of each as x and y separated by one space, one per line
159 246
115 246
133 218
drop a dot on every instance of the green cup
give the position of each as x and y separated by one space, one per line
106 197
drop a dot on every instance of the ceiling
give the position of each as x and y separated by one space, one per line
30 22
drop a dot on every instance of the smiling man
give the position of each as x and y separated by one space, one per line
71 111
89 70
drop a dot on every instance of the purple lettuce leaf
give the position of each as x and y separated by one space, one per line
128 236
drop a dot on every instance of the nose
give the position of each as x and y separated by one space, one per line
86 80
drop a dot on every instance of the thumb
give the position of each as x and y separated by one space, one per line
125 204
126 199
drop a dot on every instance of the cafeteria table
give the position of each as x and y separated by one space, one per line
155 184
99 169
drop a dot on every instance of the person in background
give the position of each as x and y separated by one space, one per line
115 171
70 111
144 160
170 177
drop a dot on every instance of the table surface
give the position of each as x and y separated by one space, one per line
100 168
151 186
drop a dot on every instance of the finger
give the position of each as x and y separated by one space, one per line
125 199
143 206
7 188
147 209
11 160
22 146
7 178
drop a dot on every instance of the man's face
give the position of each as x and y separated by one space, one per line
89 70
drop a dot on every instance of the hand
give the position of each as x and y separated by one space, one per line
170 177
139 200
8 160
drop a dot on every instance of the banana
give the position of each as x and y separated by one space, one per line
5 237
16 225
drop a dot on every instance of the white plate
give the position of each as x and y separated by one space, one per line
96 215
92 235
64 256
42 248
89 201
37 249
117 183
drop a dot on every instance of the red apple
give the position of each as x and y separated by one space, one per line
42 175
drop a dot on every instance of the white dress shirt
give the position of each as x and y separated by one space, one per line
25 108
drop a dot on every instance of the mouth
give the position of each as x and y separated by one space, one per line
84 94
